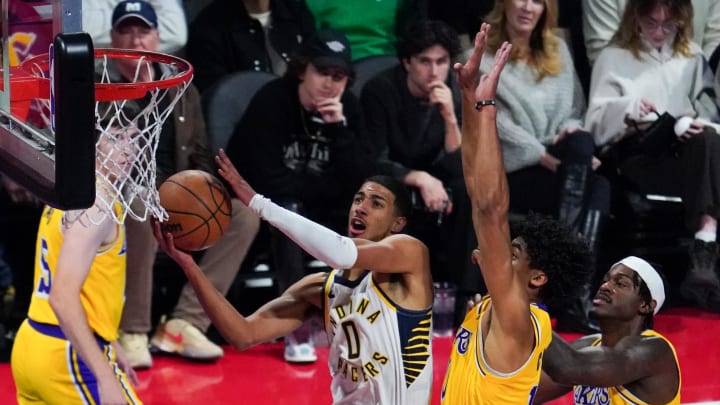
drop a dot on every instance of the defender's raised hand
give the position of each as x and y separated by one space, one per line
227 170
488 83
469 72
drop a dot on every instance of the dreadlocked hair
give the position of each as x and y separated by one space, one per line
560 253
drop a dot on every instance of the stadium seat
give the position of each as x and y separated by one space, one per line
225 102
367 68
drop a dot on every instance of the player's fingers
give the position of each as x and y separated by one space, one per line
132 376
501 57
449 208
476 256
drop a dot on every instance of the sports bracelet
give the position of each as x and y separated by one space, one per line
482 103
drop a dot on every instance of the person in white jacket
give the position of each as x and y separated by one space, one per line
652 66
96 18
601 19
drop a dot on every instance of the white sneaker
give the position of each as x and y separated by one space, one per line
300 353
135 346
179 336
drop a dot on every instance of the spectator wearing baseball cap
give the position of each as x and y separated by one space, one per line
134 26
329 48
134 9
298 144
98 21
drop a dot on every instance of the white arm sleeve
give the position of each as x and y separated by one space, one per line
322 243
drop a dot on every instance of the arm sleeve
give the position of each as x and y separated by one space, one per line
601 18
322 243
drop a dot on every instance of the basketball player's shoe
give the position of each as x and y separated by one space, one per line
137 352
299 345
180 337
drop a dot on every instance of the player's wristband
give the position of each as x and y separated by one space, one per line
482 103
320 242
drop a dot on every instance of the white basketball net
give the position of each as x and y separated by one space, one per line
125 158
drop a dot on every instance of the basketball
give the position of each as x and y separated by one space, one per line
198 206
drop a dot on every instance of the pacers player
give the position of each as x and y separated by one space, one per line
65 352
628 362
377 303
497 352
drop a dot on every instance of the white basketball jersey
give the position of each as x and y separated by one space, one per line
379 353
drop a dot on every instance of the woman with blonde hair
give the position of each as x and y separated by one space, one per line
650 67
540 107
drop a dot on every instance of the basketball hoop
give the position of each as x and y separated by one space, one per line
130 110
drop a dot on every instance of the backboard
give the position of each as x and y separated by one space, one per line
47 140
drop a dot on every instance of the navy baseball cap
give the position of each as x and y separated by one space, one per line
329 48
134 9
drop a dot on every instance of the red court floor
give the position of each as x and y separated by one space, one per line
260 376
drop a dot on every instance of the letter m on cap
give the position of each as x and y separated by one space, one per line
133 7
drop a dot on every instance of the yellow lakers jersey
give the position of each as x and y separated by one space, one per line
103 292
619 395
469 380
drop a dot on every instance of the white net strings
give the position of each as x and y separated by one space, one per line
125 151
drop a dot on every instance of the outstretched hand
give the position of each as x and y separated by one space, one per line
487 86
468 74
228 171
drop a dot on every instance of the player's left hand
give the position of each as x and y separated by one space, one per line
167 243
227 170
124 364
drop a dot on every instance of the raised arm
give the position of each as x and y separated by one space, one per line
394 254
632 359
274 319
510 338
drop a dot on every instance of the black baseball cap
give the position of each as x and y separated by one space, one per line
329 48
139 9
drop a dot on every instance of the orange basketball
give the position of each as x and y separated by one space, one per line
198 206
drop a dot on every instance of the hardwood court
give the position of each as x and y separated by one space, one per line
261 376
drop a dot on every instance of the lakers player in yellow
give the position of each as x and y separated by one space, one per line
497 353
65 352
628 362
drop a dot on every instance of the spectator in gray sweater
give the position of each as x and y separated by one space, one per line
540 107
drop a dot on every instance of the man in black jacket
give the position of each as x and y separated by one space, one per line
412 113
232 35
297 144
